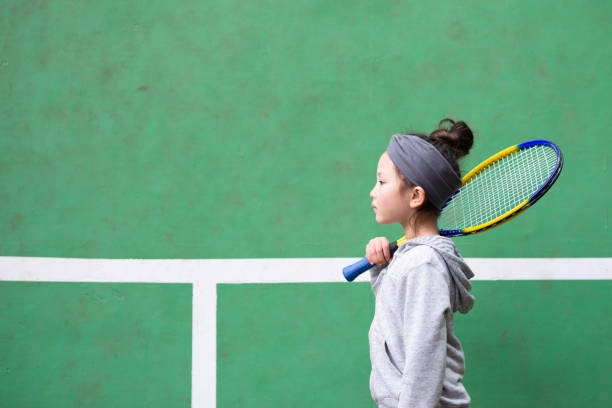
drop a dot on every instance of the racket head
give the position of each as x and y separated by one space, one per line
501 187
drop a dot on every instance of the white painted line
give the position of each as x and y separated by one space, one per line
205 274
204 346
541 268
213 271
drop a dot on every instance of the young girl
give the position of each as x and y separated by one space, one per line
417 361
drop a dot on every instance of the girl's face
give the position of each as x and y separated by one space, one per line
390 196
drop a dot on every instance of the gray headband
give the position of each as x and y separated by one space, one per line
424 166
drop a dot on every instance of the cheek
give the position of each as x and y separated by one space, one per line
386 198
381 195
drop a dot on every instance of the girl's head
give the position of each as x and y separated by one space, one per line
417 173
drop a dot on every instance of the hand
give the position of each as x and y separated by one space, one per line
377 251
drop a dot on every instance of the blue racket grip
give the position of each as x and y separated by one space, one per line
352 271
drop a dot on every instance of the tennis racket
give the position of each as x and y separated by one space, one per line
495 191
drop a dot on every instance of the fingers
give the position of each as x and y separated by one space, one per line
377 251
386 251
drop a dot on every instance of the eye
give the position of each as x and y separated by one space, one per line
381 182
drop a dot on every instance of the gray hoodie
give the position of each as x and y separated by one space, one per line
417 361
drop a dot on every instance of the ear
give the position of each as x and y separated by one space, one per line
417 197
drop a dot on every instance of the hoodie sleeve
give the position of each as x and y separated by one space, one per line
374 273
423 306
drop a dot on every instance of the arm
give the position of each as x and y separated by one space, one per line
425 303
377 253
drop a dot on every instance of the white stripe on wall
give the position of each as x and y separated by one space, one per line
205 274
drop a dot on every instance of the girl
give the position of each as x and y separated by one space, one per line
417 361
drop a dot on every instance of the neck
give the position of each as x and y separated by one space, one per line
422 226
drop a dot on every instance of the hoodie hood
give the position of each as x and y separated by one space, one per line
460 272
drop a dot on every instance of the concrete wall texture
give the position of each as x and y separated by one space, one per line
251 129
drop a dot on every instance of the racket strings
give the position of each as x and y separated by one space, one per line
499 188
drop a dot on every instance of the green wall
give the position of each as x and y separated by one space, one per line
251 129
164 130
95 345
527 344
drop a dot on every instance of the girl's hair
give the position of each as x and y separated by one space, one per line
453 140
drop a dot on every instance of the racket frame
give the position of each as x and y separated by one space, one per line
352 271
519 208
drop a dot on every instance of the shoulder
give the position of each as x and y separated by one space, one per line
420 262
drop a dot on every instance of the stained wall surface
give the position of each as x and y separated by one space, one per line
245 129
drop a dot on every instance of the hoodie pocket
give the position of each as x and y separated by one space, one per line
391 360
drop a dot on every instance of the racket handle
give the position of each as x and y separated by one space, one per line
352 271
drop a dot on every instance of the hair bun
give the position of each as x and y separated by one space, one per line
458 136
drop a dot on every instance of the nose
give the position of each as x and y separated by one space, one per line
372 192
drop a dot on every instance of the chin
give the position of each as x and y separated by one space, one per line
381 220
